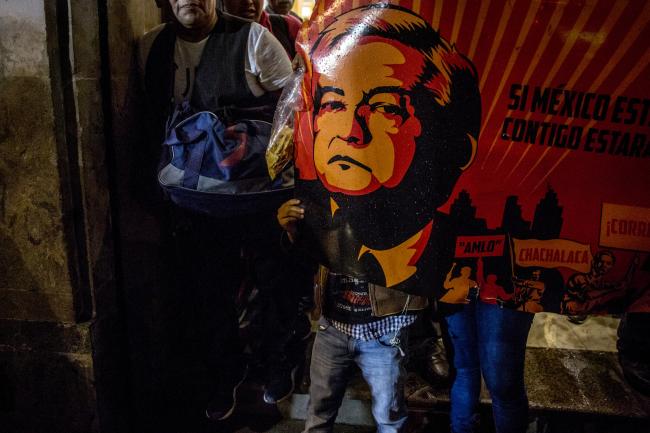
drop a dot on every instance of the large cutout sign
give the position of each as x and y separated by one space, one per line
444 145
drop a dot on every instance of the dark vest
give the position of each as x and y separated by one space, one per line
220 84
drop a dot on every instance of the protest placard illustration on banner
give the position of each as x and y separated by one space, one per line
441 144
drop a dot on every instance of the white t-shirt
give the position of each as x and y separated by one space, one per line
267 66
187 56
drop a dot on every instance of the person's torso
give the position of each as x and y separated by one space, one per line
187 56
212 74
347 300
284 29
382 301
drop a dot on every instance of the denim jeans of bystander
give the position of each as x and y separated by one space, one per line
489 340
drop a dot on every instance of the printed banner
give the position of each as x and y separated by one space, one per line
625 227
423 123
479 246
553 253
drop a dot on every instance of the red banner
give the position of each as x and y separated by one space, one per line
427 121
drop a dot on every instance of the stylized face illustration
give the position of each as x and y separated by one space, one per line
365 125
389 122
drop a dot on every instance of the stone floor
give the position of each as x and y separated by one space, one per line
586 354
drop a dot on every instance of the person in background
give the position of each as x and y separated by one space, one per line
286 309
214 62
284 27
281 7
384 85
395 122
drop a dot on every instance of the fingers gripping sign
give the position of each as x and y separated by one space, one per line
288 216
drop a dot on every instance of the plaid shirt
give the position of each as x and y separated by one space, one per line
374 330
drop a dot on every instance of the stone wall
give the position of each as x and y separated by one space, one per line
34 274
65 71
46 368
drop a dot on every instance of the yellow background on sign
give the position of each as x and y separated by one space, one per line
552 253
626 227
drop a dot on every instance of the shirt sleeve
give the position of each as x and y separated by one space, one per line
267 59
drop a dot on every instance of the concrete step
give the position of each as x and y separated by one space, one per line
571 382
296 426
352 411
580 386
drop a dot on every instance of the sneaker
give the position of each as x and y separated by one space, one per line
224 402
280 385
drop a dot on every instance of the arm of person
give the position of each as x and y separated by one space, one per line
267 61
288 216
144 154
143 48
447 284
597 302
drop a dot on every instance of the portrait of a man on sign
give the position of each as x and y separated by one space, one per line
392 116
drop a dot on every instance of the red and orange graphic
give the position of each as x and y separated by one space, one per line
439 136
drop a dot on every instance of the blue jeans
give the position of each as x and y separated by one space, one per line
333 356
490 340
